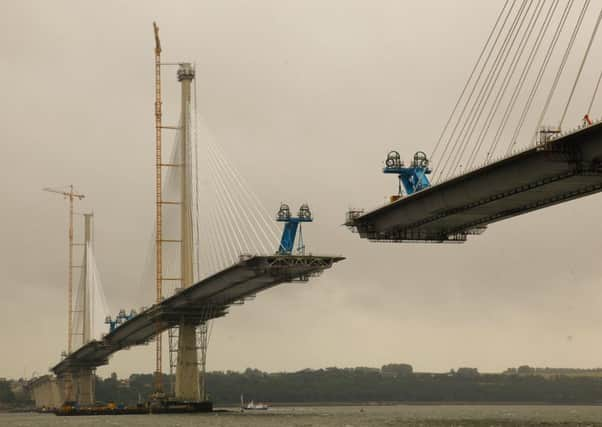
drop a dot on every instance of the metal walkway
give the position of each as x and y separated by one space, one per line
554 171
208 299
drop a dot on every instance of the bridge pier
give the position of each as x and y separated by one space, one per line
65 385
84 382
187 368
46 392
77 385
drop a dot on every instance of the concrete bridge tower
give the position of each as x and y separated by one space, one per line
187 370
84 379
80 382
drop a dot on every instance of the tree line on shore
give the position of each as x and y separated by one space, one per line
391 383
370 385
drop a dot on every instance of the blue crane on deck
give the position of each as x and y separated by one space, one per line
412 178
289 233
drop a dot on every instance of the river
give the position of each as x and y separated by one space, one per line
341 416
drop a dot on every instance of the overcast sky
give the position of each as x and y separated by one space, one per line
306 97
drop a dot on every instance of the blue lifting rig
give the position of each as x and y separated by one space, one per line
287 242
413 178
119 319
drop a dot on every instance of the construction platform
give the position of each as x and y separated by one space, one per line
558 168
71 409
208 299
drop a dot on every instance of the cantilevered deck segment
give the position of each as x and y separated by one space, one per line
556 170
208 299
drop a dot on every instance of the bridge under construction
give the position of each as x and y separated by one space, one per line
554 171
209 299
473 186
488 164
241 260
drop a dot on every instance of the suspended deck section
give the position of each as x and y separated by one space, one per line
208 299
556 170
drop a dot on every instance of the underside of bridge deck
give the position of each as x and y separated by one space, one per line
562 169
208 299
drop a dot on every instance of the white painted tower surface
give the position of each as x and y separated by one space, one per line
187 371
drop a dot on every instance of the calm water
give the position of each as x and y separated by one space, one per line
343 416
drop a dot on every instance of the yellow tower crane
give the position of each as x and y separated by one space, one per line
71 195
158 200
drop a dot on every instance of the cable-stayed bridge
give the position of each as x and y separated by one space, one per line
213 247
206 300
495 158
560 170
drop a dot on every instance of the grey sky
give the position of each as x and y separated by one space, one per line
307 98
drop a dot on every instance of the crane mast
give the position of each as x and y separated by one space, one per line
158 200
71 195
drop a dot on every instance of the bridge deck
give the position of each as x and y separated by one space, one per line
565 168
208 299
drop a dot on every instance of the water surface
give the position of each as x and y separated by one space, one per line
343 416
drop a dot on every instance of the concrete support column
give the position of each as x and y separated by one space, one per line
85 382
187 370
66 387
46 393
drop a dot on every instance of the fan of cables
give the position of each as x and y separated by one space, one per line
513 82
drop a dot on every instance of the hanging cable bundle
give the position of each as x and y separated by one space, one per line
503 87
521 81
496 83
470 78
585 55
542 69
444 158
463 140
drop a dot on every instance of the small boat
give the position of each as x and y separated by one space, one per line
252 406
